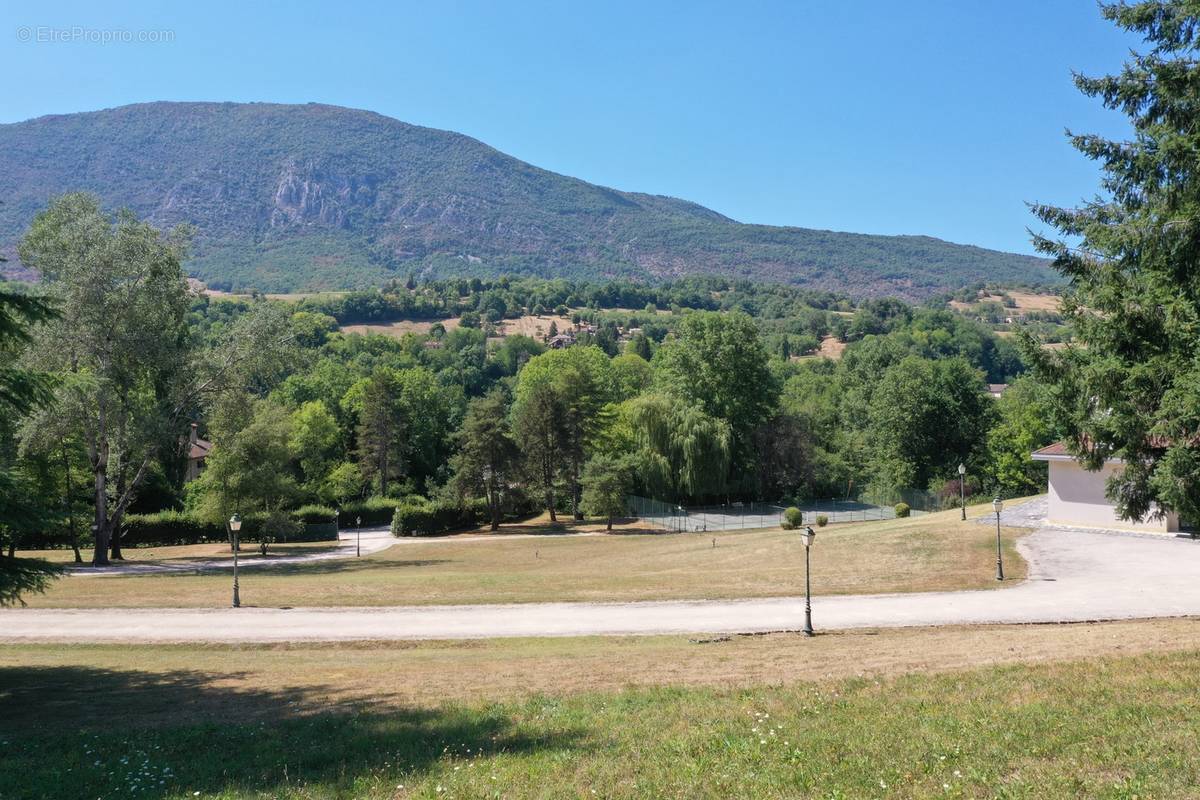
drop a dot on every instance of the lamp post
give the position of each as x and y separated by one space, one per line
358 537
235 525
962 490
998 506
808 537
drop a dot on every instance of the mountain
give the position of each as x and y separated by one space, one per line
296 197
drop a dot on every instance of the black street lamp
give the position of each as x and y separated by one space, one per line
358 537
235 525
808 537
962 490
998 506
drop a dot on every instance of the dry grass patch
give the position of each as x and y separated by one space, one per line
430 673
399 328
925 553
1109 711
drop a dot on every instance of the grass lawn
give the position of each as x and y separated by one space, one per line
1104 710
931 552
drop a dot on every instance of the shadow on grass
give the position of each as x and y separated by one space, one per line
82 732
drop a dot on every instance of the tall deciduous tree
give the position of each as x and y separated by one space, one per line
121 334
581 379
248 469
925 417
538 425
128 373
680 451
717 362
1130 387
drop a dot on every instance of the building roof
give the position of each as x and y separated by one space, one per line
997 388
199 449
1056 452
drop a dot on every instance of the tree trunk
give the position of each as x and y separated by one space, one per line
68 490
576 512
100 553
550 504
494 508
609 526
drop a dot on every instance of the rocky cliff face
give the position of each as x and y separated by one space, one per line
312 196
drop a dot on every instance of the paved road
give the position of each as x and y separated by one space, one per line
1074 576
374 540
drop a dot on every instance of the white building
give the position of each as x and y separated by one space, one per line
1077 496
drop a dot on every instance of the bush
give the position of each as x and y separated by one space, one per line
430 518
792 518
902 510
822 520
171 528
373 510
312 514
168 528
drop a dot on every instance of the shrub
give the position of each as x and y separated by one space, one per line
822 520
430 518
168 528
902 510
313 514
373 510
792 518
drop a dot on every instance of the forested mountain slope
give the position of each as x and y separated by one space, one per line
292 197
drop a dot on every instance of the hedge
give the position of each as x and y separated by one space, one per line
429 518
169 528
313 513
373 510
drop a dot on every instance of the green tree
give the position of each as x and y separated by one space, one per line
1130 387
1024 425
22 506
343 483
632 375
314 441
486 463
381 430
717 362
249 467
681 451
606 482
538 420
925 417
121 334
581 379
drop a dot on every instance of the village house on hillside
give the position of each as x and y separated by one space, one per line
1077 497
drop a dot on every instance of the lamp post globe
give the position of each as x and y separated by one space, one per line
998 506
235 525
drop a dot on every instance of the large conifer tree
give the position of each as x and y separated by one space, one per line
1130 386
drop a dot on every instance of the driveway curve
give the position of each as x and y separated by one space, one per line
1074 576
374 540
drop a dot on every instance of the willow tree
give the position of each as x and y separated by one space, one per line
680 451
1130 386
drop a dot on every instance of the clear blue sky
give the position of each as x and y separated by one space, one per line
938 118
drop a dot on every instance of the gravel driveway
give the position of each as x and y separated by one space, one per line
1074 576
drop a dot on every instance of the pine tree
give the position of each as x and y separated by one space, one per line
381 431
1130 387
